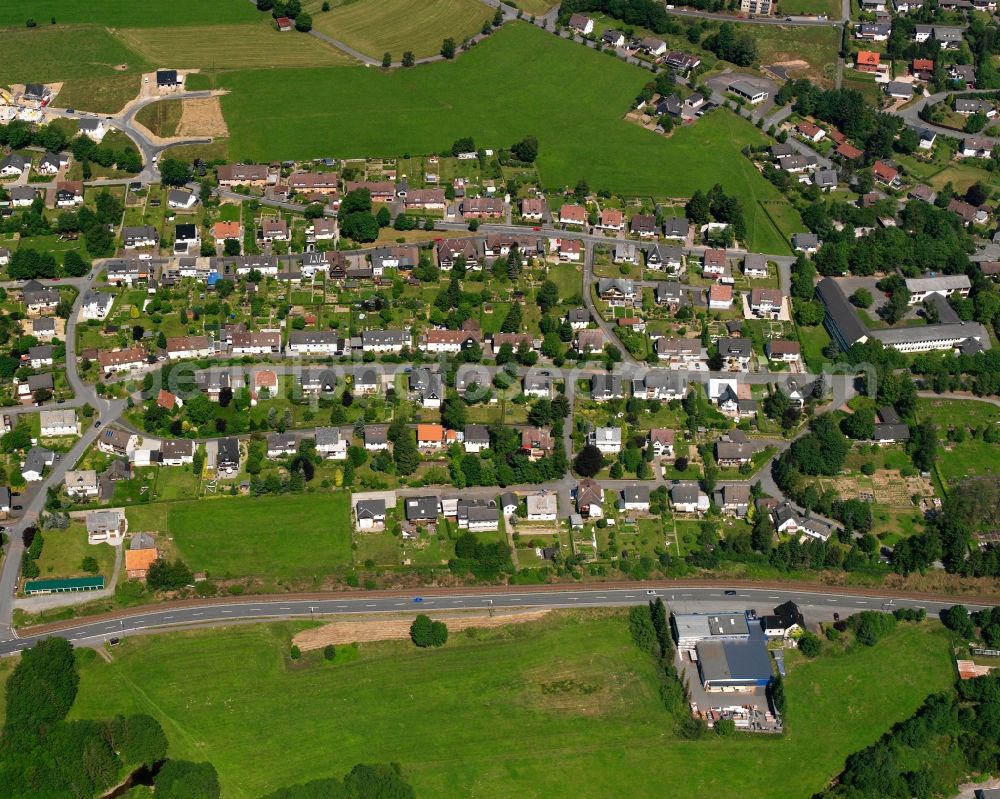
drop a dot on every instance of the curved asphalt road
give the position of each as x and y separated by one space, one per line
817 604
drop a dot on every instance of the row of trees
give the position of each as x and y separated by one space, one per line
641 13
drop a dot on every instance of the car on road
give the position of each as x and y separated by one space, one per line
97 423
56 279
60 402
651 592
730 593
836 617
70 110
17 507
418 599
114 641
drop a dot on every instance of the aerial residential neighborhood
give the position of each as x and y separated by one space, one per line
477 380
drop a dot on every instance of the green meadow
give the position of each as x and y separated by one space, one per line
498 713
521 81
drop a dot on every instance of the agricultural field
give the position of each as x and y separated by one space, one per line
278 537
228 46
99 71
127 13
377 26
570 683
561 88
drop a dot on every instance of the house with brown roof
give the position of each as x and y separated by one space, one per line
808 130
590 340
432 436
720 297
533 208
590 498
612 219
425 200
227 230
783 350
242 175
714 263
661 439
274 230
886 174
314 182
121 360
483 208
138 561
764 302
848 151
867 61
537 442
570 214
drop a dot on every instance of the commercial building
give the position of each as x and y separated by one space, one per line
690 628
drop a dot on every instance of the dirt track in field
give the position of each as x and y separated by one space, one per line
350 632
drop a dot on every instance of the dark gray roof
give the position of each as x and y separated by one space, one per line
840 314
421 508
370 508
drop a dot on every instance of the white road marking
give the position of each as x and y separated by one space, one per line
370 605
284 608
167 617
862 602
227 611
197 614
515 599
398 604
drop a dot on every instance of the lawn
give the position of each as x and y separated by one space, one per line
375 27
84 56
571 98
161 118
813 340
392 702
946 413
278 537
831 8
128 13
64 551
232 46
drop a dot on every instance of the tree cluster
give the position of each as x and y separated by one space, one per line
43 755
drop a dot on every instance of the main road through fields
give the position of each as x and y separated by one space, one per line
817 604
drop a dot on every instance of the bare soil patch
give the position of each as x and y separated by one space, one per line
350 632
202 118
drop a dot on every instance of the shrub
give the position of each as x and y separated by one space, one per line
296 653
424 632
810 645
329 652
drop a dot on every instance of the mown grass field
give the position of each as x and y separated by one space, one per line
227 46
831 8
64 551
378 26
128 13
161 118
572 98
485 716
972 457
84 56
277 537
